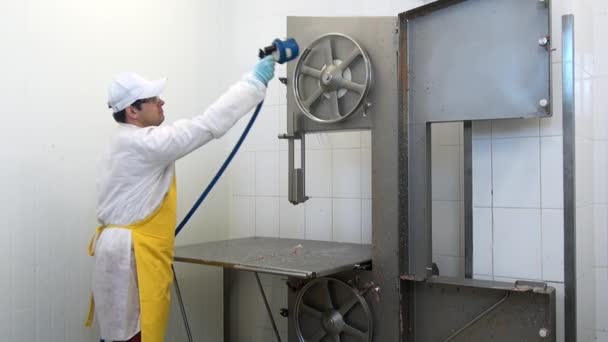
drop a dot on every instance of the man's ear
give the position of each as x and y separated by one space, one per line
131 113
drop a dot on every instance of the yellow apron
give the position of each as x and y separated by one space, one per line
153 243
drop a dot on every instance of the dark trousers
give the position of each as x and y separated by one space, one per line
136 338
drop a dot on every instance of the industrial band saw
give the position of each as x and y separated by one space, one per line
447 61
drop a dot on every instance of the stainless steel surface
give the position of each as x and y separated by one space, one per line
468 199
292 178
568 122
379 36
296 179
455 71
376 36
268 310
301 175
448 69
477 318
291 257
279 272
451 70
182 308
477 60
332 78
389 186
472 310
328 309
361 107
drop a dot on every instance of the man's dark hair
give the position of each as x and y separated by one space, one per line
121 116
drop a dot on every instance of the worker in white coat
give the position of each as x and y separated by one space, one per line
133 247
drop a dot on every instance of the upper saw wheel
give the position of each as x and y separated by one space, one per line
332 78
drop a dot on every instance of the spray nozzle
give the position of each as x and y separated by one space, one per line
282 50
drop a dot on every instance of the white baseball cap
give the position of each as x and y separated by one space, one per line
129 87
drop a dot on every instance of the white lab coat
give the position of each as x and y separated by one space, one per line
134 175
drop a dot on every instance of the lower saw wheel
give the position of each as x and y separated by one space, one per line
329 310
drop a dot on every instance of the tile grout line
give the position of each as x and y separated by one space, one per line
540 183
492 192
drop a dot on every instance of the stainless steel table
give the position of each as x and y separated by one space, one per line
287 257
295 258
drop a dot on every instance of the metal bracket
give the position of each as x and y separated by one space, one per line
287 136
478 317
363 267
296 177
524 286
366 108
474 310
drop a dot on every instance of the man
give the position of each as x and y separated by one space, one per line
133 247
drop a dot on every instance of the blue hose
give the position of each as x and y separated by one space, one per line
220 171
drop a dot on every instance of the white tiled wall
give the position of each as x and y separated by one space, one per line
447 198
335 185
338 181
516 171
517 187
517 229
552 223
599 72
591 75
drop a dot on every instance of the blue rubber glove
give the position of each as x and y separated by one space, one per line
263 70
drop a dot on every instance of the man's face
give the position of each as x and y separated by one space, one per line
151 112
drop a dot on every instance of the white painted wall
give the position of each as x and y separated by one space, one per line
57 59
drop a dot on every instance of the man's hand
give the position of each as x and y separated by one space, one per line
263 70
